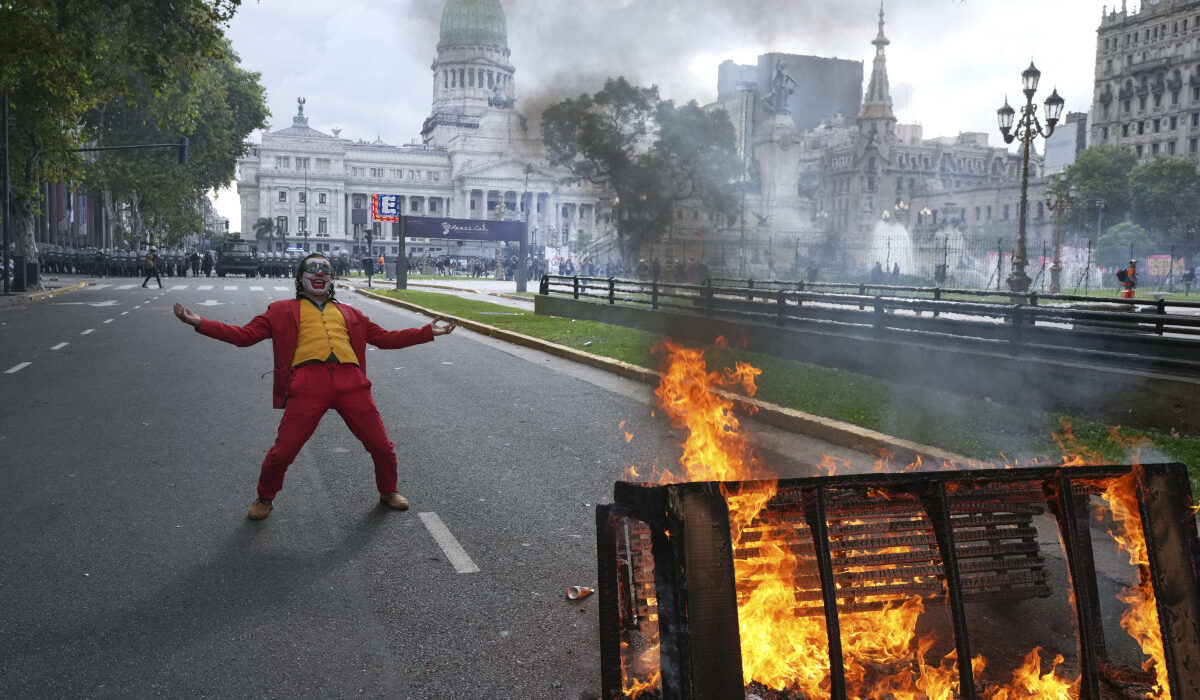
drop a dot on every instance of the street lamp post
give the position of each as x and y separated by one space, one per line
305 227
1026 130
1057 199
524 248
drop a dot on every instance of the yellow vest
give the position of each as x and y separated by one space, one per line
323 335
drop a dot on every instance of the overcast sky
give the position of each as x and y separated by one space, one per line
364 65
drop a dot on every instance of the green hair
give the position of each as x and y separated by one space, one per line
300 273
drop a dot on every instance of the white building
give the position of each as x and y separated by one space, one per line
476 160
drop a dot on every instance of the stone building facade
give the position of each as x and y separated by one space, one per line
475 160
1147 83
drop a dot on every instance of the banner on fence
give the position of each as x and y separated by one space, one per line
1162 265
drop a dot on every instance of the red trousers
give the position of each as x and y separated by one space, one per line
314 389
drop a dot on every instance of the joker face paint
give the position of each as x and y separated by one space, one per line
316 279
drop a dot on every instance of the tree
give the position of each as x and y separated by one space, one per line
1113 249
62 58
1100 175
1164 193
264 228
651 154
217 104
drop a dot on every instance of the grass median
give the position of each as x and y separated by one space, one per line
976 428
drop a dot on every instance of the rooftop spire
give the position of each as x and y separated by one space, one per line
877 103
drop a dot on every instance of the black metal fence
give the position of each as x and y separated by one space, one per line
1156 333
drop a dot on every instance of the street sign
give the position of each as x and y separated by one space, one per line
463 229
385 207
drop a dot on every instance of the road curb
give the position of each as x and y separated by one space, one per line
18 299
894 450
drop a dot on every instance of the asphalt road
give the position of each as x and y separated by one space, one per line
129 449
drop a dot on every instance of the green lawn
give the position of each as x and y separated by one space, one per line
972 427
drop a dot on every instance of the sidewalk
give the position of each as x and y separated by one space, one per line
50 287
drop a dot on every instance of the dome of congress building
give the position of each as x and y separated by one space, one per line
473 22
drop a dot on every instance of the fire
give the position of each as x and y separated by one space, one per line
1140 618
884 657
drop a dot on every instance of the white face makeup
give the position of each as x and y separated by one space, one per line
317 280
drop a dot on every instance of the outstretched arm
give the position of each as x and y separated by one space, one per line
258 329
443 330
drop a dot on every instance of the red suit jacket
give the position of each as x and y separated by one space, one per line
281 323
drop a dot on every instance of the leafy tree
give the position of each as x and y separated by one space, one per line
264 227
217 104
1100 177
650 153
62 58
1165 192
1113 249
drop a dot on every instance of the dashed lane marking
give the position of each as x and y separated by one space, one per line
450 546
108 320
126 286
124 312
204 287
60 346
281 289
256 289
87 331
101 286
23 365
231 287
178 286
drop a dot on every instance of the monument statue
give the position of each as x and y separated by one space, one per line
300 101
782 85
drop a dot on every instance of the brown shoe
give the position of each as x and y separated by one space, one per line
259 508
394 500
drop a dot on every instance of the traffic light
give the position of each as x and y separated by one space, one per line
185 150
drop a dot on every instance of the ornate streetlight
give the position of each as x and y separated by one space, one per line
1027 129
1058 196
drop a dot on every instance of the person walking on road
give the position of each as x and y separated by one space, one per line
1128 279
319 350
151 266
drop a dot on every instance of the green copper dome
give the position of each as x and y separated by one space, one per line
473 22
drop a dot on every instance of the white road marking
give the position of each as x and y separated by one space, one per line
179 286
87 331
136 308
108 320
204 287
60 346
256 289
281 289
450 546
23 365
231 287
124 312
127 286
101 286
109 302
209 302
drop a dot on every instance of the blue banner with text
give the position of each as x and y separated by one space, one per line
464 229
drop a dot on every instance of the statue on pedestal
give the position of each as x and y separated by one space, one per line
782 86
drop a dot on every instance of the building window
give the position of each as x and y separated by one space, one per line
989 212
1141 128
1195 118
282 196
301 224
414 204
1104 133
1005 212
302 197
436 176
323 164
322 225
1170 148
322 247
302 163
433 206
978 213
1125 106
1156 125
1154 149
321 198
282 161
281 224
1041 214
358 201
1139 150
1192 144
1141 104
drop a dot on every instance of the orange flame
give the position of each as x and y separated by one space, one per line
1140 618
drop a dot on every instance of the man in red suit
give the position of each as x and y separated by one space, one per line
320 363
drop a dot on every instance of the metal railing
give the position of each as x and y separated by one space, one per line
1146 333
